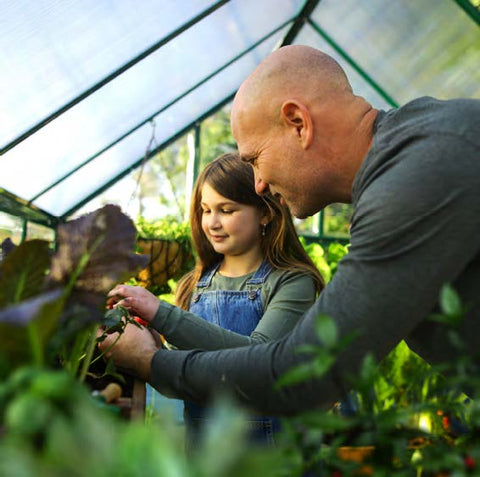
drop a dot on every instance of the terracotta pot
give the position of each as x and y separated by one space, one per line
358 454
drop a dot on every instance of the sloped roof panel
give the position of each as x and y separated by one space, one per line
130 151
411 48
139 94
84 81
54 51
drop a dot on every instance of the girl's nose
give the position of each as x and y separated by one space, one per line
214 221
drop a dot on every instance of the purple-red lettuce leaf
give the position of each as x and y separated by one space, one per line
96 251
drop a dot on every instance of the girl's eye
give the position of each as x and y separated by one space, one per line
205 211
225 211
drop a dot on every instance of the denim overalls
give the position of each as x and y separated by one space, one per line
238 311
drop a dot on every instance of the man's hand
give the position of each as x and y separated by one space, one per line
133 351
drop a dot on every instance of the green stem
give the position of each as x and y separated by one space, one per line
72 362
87 360
35 344
107 350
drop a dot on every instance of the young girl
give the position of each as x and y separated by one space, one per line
251 283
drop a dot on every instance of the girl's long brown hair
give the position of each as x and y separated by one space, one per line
233 178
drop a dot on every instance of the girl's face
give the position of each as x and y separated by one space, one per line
231 228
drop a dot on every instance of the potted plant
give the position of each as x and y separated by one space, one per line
168 245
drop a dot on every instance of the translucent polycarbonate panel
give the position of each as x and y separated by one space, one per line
412 48
141 92
37 231
147 191
10 227
168 123
53 51
308 36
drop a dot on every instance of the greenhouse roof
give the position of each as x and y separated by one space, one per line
83 81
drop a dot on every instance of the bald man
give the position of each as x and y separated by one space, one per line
413 177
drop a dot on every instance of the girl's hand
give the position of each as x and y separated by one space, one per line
137 300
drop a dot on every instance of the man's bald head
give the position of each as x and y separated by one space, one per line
294 72
297 121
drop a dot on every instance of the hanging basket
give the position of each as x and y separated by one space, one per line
168 259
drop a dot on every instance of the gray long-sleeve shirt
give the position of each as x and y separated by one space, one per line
415 227
286 295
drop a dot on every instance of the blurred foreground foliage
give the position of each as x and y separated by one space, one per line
409 418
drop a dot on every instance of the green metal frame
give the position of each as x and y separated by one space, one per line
151 117
152 153
16 206
471 10
13 205
113 75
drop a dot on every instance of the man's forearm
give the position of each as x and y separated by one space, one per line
250 373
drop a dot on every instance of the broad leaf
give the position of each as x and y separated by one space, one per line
23 272
326 330
29 324
99 248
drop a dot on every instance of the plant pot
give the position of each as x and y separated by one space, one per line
168 259
360 454
133 407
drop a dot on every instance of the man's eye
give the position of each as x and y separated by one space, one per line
250 160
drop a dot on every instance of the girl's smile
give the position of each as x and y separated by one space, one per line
233 229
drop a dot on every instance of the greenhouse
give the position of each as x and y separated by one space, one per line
111 111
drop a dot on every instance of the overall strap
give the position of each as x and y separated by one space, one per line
206 278
258 278
261 274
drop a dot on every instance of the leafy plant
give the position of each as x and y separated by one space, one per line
52 302
325 260
168 244
167 228
411 419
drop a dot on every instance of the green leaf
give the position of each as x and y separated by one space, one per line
114 316
26 327
326 330
450 302
327 421
296 375
23 272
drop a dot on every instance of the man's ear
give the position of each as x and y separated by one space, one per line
296 116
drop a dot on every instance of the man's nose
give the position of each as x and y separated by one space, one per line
261 187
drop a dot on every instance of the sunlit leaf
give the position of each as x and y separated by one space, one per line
450 302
